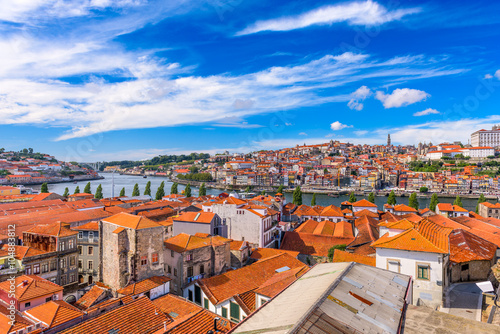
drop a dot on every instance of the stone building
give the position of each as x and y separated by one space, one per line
88 250
32 261
131 249
490 210
191 257
56 238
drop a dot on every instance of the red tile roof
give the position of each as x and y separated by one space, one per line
185 242
30 287
55 313
144 285
341 256
410 240
139 316
465 247
131 221
311 244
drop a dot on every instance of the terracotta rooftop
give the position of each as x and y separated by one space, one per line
58 229
312 244
131 221
30 287
90 297
410 240
341 256
465 247
144 285
185 242
20 252
222 287
364 203
197 217
139 316
264 253
91 226
54 313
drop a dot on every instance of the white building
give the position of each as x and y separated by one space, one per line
422 254
486 137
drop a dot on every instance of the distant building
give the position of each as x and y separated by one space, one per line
199 222
486 137
88 251
487 209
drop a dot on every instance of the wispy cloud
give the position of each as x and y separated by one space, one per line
425 112
357 97
360 13
401 97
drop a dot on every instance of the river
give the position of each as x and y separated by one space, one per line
128 182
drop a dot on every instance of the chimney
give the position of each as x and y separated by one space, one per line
215 323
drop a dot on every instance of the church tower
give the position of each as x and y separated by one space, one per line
389 140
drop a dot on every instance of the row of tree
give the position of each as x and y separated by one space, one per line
207 177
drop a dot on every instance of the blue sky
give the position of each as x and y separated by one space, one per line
130 79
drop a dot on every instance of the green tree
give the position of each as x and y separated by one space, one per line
313 200
136 191
424 189
280 189
481 199
187 190
458 201
263 193
77 190
161 191
203 190
98 192
122 192
325 171
352 198
297 196
45 188
413 201
66 192
331 251
434 202
371 197
391 200
87 189
174 188
147 191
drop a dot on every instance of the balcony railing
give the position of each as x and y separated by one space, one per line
194 278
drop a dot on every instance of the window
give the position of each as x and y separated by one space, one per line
71 244
63 263
36 269
205 303
189 257
90 250
91 236
190 272
80 264
202 269
48 299
172 253
72 260
53 265
144 260
91 265
197 294
262 301
393 265
27 270
45 267
28 304
465 267
63 280
62 246
80 235
190 295
234 311
224 312
154 258
72 278
423 271
175 272
169 269
80 250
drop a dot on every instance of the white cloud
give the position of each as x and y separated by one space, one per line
335 126
488 76
359 13
401 97
425 112
497 74
360 132
302 134
357 97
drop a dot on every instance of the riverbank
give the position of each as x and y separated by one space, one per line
53 181
331 193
